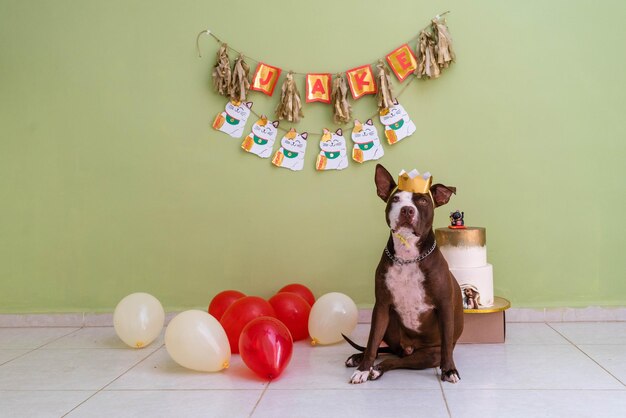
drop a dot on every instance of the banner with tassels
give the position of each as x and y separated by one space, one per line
433 53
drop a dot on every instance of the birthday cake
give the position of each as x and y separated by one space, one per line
465 250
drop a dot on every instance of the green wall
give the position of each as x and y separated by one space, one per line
112 180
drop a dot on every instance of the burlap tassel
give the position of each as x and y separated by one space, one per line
426 59
240 82
221 72
384 95
290 105
443 49
339 99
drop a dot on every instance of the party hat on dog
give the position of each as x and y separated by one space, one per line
414 182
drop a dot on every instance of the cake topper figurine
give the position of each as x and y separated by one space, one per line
456 220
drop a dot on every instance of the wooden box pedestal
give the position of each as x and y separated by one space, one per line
483 326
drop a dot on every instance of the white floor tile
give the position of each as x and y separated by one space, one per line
30 337
98 337
495 366
532 333
323 367
351 403
163 404
533 403
593 332
611 357
8 355
40 404
71 369
537 373
159 371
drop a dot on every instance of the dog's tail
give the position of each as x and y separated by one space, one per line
381 350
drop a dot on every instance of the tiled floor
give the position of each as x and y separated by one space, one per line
544 370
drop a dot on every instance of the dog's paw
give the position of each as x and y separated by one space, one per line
451 376
375 373
360 377
354 360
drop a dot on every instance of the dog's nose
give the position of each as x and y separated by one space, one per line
407 211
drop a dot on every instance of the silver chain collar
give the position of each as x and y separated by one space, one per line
403 262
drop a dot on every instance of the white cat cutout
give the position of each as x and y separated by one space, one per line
291 152
367 145
333 154
261 140
398 124
232 120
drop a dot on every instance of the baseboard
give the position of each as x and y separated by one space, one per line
88 319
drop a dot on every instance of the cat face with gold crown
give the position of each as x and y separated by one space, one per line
398 124
366 142
232 120
291 153
333 154
261 140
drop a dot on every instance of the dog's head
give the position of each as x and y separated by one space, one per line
409 210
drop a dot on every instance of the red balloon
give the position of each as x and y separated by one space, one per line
266 347
301 290
240 313
293 311
222 301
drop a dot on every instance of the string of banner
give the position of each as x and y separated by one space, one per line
433 53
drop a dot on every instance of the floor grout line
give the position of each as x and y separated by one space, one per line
587 355
443 393
111 382
31 350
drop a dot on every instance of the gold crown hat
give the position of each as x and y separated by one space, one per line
414 182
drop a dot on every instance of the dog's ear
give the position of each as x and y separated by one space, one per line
441 194
384 182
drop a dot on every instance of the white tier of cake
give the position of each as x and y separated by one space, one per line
465 257
478 279
465 250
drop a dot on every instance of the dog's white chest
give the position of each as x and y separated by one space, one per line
406 285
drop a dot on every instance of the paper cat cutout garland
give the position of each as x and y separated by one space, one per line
398 124
291 152
367 145
232 120
261 140
333 154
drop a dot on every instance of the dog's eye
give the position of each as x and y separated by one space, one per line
422 201
395 199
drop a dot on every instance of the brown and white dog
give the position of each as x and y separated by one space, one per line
418 311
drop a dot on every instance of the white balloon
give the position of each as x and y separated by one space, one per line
332 315
196 340
138 319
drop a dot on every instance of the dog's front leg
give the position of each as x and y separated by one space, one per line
446 327
380 321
